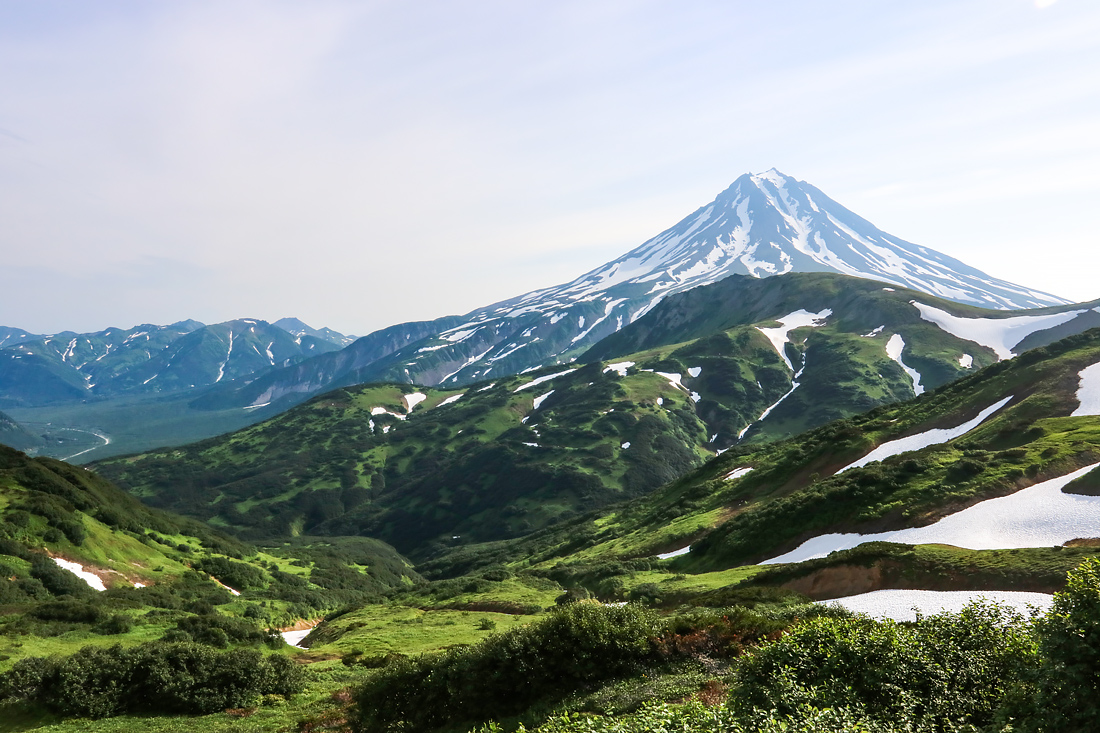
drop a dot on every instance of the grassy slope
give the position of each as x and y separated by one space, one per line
792 494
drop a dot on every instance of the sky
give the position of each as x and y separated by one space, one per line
358 164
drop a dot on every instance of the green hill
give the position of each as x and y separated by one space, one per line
732 516
708 370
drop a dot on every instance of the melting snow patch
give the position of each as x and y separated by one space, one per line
626 445
488 387
675 553
694 372
619 367
695 397
1088 394
542 398
999 334
894 347
935 436
660 400
798 319
899 605
737 473
533 445
1039 516
384 411
966 361
413 399
453 398
873 333
540 380
294 638
78 570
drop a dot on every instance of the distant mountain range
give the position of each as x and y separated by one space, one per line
762 225
149 359
224 376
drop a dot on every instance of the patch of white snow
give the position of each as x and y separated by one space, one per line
894 347
935 436
1088 394
93 580
903 605
1038 516
1000 335
798 319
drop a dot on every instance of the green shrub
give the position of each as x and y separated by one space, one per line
219 631
575 646
937 671
1066 687
156 677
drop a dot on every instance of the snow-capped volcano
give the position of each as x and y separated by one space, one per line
771 224
763 224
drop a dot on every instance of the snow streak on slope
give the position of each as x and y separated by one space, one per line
894 347
999 334
925 439
1039 516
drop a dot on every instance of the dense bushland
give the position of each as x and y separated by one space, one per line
577 647
984 670
155 677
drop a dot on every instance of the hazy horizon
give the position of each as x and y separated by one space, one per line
357 165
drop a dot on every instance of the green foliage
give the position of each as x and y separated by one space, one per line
940 670
574 646
237 575
1066 687
155 677
219 631
696 717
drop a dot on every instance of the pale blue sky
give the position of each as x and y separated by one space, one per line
357 164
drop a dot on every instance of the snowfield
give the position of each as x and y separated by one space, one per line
413 399
1088 394
1038 516
919 441
999 334
294 638
78 570
899 605
675 553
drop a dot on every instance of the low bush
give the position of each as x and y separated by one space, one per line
574 647
938 671
155 677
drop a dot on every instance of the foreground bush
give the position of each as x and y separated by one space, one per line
576 646
155 678
697 718
1064 692
942 670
